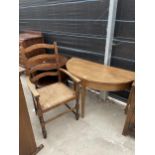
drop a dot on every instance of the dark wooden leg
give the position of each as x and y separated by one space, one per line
42 123
83 95
74 85
128 104
127 123
130 111
126 108
77 109
125 129
38 149
35 106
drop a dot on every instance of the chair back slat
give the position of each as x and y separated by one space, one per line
41 59
44 74
43 67
39 46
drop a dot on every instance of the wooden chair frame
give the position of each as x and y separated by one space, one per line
44 60
36 96
39 110
33 48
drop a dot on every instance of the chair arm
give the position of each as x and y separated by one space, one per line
32 87
75 79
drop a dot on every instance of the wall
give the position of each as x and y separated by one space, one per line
79 27
123 53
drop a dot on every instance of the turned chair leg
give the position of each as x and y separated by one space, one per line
34 103
42 123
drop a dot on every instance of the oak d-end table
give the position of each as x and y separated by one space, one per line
99 77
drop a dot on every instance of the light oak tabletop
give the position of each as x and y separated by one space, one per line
99 73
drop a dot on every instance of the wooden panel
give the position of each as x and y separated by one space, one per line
27 144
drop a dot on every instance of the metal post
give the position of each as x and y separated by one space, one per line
110 31
110 34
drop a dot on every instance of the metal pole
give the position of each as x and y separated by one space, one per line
110 34
110 31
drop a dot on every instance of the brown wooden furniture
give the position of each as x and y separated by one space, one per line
27 39
27 144
129 126
41 64
98 76
21 70
53 95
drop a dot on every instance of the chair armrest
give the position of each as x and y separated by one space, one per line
32 87
75 79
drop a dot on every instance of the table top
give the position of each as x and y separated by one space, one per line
89 71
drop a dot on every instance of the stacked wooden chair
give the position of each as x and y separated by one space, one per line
55 94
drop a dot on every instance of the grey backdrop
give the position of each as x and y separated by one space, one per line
79 27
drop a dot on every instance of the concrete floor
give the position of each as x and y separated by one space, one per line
99 133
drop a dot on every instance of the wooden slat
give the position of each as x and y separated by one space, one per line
40 59
27 143
41 75
43 67
39 46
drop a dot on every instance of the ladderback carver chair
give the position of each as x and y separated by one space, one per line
42 65
53 95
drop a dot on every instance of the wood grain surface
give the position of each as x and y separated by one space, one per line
99 76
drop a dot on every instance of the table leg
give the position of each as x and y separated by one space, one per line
104 95
83 95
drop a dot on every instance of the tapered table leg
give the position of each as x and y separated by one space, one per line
83 97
